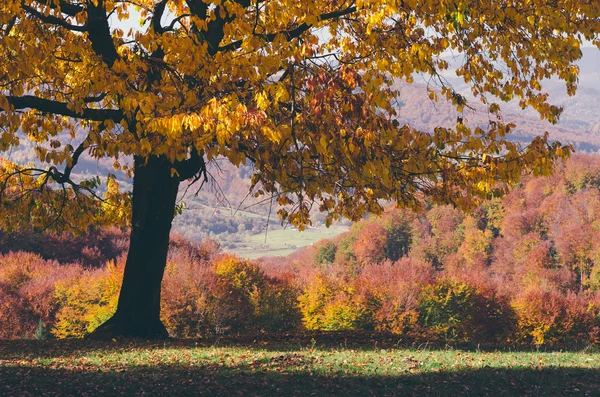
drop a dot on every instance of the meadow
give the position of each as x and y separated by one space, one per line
288 366
283 242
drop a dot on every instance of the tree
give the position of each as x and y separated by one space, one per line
304 90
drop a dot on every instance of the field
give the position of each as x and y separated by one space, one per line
288 368
281 242
245 233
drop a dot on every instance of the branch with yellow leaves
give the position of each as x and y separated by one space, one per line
49 106
65 7
292 33
53 20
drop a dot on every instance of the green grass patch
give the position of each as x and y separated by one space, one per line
287 369
281 242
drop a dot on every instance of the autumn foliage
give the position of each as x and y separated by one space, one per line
306 92
521 271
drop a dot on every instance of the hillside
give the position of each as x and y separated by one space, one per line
549 226
579 123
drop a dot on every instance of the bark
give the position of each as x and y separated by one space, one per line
138 311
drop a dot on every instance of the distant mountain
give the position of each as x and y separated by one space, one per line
579 123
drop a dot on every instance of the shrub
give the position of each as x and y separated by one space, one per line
333 305
239 274
343 314
397 286
447 307
27 284
187 299
549 318
452 309
316 294
229 295
16 318
88 300
189 291
276 306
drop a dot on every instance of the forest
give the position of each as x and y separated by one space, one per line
519 271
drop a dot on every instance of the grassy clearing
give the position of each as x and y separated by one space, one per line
280 242
267 369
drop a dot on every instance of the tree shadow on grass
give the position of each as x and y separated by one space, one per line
357 340
264 379
52 348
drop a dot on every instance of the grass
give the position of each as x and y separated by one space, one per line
280 242
267 368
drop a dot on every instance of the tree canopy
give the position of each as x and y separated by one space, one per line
302 89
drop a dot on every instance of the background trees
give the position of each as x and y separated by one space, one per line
527 289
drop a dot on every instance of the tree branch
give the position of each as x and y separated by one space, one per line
66 175
191 167
293 33
64 6
99 32
197 8
173 22
9 26
215 31
61 108
92 99
159 10
51 19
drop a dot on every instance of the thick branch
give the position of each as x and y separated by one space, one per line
197 8
215 30
159 10
61 108
92 99
51 19
99 32
174 22
292 33
189 168
65 7
66 175
9 26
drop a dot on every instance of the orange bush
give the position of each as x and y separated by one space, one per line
16 318
186 298
549 318
225 294
27 285
87 301
397 286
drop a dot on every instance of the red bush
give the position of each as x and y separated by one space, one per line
546 317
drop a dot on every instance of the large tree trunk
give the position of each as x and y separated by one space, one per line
138 311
